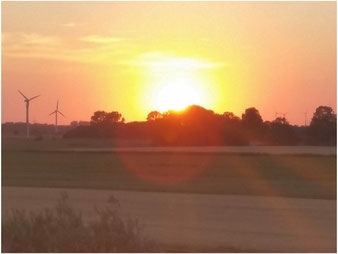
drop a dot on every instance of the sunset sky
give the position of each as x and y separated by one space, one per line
135 57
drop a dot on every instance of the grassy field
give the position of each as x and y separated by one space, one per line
35 163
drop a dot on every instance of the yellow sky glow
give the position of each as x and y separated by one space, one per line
135 57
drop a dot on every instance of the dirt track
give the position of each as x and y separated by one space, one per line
207 221
315 150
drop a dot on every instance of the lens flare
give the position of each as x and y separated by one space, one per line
165 168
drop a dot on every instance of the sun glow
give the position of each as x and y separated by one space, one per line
176 82
178 92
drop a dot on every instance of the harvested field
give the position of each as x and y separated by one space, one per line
198 222
302 176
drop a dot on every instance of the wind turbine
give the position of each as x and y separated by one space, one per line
27 110
305 115
284 114
56 112
280 114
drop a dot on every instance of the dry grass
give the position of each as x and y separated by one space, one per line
63 229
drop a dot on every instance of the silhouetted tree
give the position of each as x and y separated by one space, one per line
251 118
322 128
153 115
74 123
193 126
98 117
280 121
281 132
323 115
199 126
102 117
114 117
253 125
232 131
230 116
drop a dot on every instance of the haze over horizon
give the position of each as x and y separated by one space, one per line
138 57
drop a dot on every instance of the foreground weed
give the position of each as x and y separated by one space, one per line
63 229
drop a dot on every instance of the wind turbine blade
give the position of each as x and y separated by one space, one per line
54 112
57 104
34 97
23 95
61 113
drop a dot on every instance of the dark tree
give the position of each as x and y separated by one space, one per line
251 118
230 116
193 126
113 117
197 115
232 132
254 129
281 132
199 126
322 128
280 121
98 117
102 117
153 115
323 115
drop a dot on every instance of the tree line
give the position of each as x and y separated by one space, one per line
197 126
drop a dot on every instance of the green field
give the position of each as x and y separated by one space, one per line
36 164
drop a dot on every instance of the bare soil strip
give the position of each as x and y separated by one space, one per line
314 150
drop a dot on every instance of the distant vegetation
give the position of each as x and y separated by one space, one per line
38 130
194 126
197 126
63 229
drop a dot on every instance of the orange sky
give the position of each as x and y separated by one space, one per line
132 57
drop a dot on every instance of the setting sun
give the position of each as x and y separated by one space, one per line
216 55
177 93
174 81
169 126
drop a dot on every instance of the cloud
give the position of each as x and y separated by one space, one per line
161 61
101 39
33 45
38 39
99 50
70 24
73 24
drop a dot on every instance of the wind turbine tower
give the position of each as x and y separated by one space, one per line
305 116
56 112
27 110
284 114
